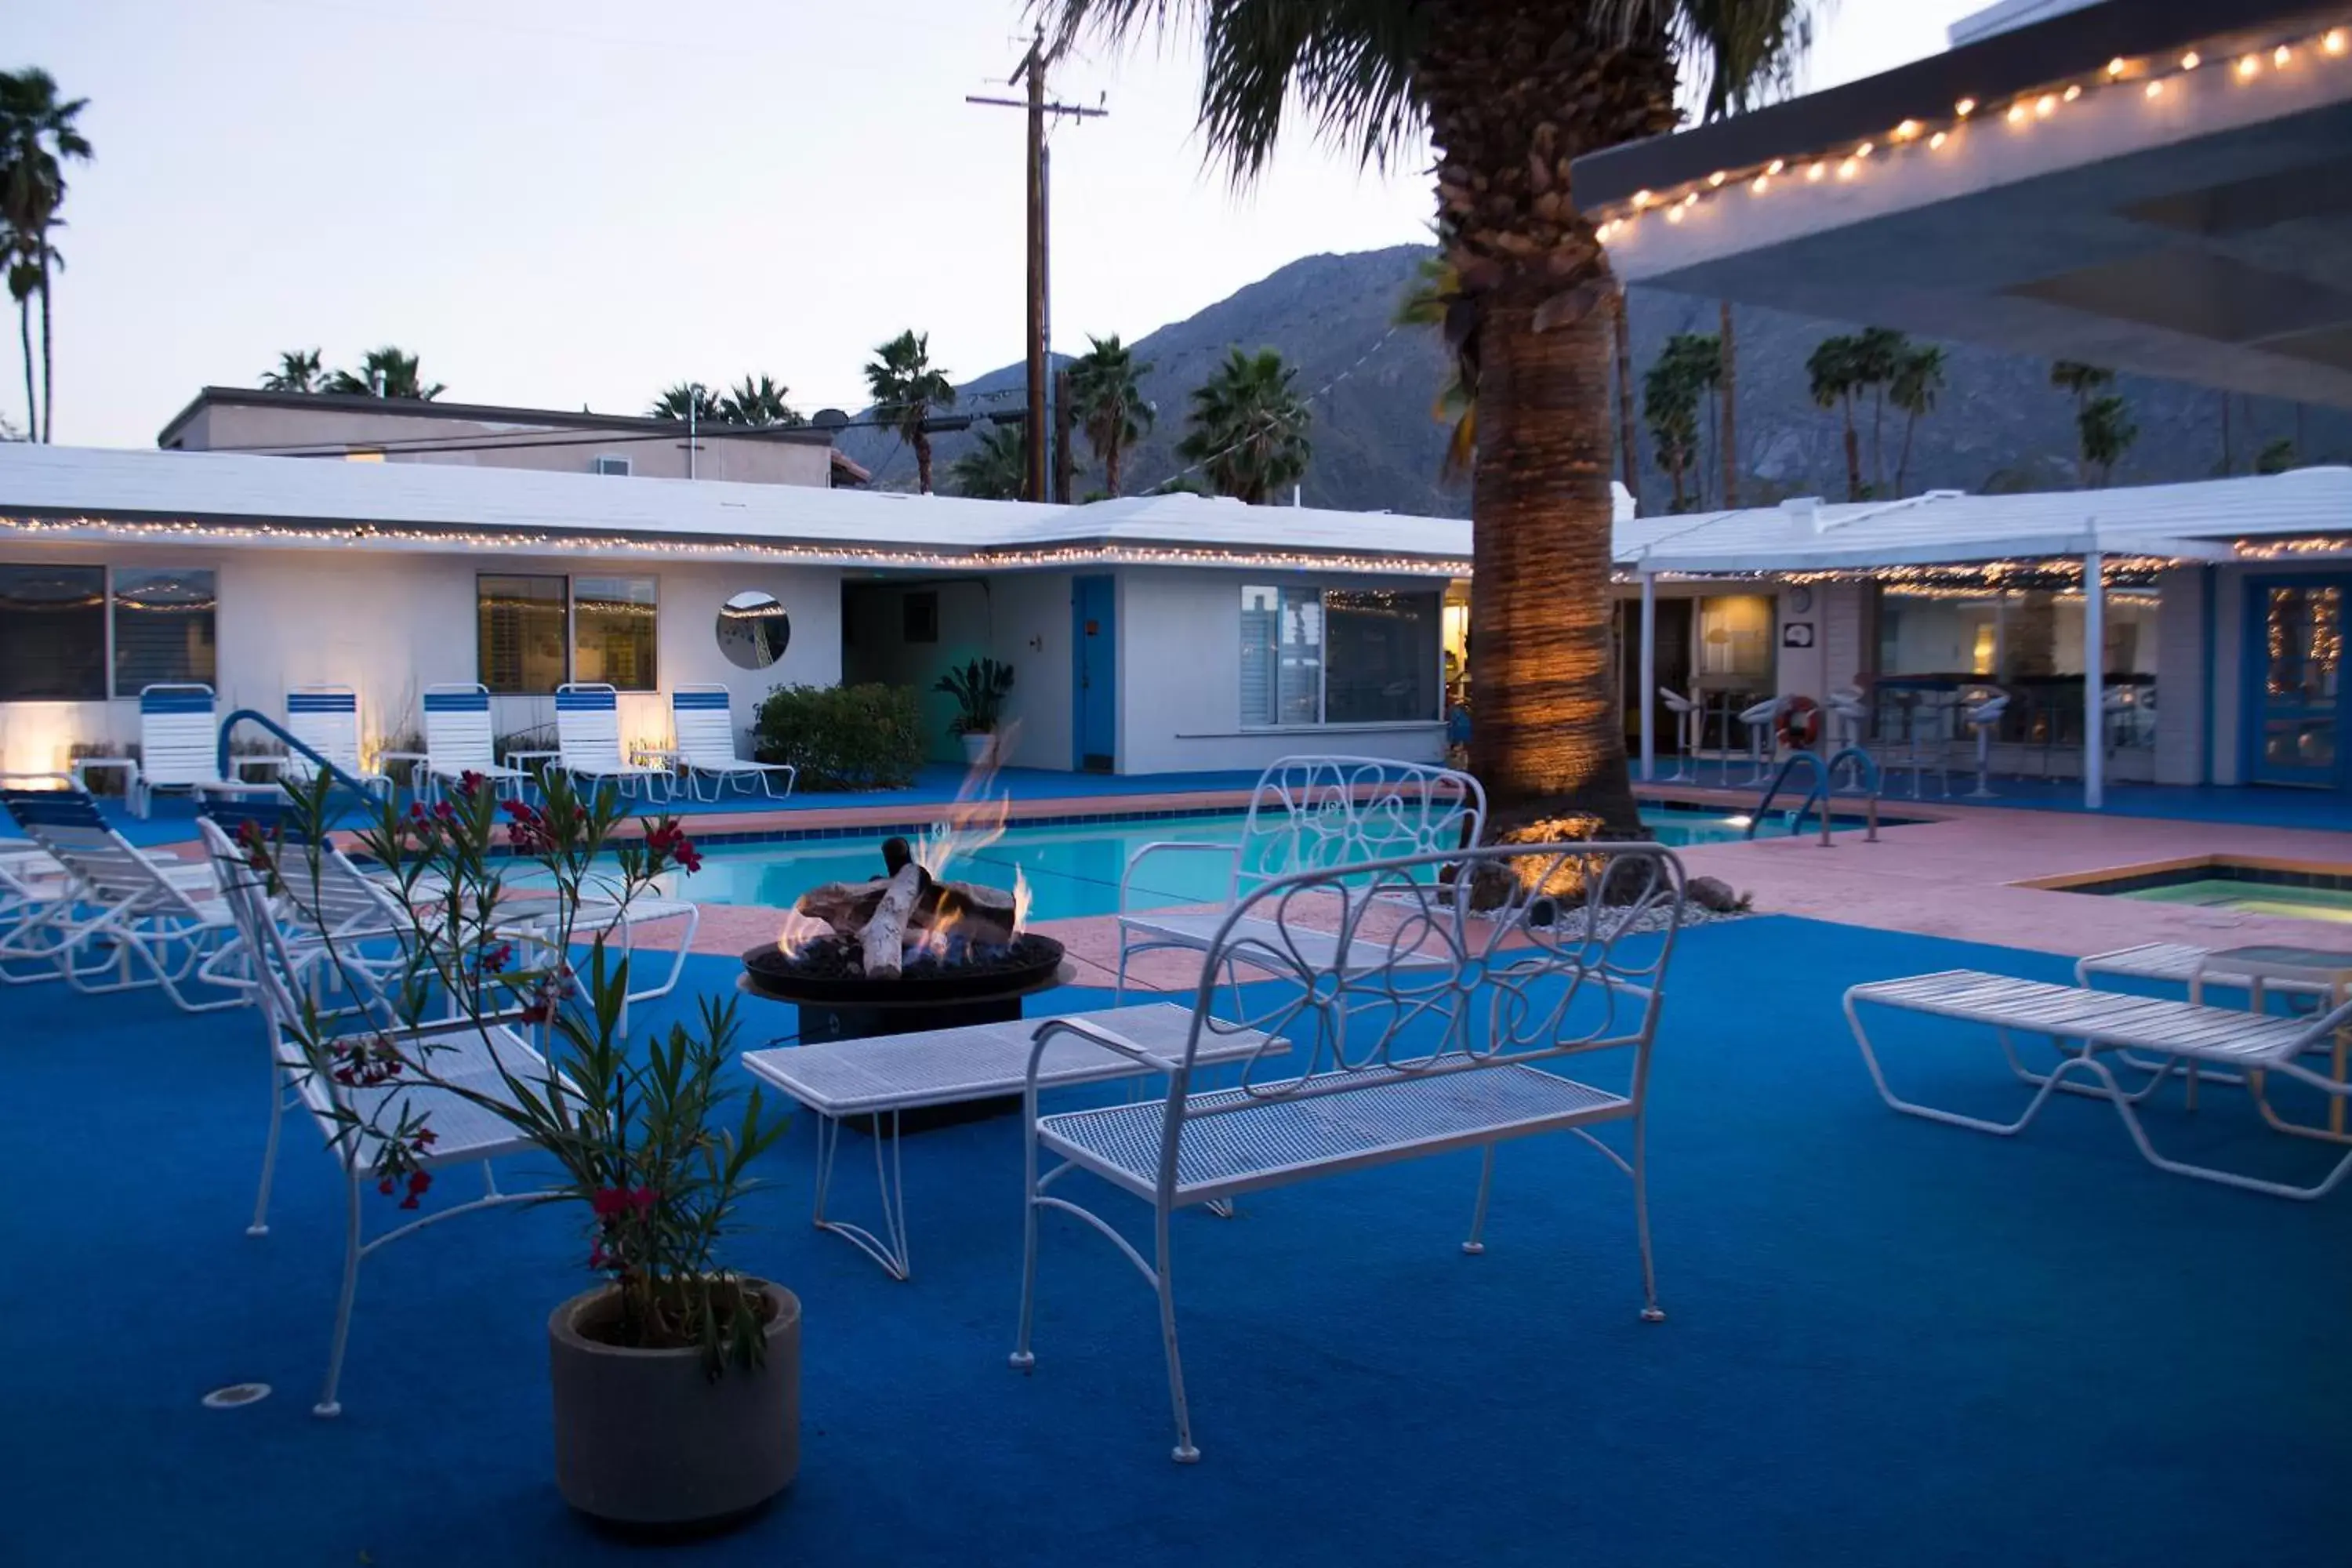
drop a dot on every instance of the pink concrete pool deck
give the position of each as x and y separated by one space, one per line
1953 871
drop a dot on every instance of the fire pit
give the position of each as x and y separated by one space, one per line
906 953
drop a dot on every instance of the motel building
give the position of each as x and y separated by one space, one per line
1168 633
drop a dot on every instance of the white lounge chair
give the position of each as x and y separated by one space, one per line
702 723
588 737
327 719
460 1052
179 748
1308 813
458 739
2087 1026
115 910
1453 1032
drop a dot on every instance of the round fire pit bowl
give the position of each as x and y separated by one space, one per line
825 973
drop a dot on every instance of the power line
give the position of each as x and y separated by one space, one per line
1378 345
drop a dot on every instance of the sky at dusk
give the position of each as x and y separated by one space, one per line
569 203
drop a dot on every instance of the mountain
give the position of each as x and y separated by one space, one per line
1998 424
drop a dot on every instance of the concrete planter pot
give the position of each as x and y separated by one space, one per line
978 748
645 1440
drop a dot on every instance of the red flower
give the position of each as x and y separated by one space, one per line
610 1202
469 781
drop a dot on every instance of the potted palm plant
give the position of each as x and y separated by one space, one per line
676 1378
979 688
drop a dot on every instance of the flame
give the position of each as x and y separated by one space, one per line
936 941
801 931
1023 895
975 819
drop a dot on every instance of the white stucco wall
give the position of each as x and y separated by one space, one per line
2187 673
1032 633
392 624
1181 680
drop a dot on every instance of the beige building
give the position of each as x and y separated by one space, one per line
406 430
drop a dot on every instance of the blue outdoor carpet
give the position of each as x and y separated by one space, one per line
1890 1343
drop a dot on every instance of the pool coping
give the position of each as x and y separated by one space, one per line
2332 877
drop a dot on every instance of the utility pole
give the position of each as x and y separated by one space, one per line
1031 72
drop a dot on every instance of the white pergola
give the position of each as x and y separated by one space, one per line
2204 522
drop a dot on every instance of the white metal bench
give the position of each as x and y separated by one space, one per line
1431 1028
1309 813
2086 1025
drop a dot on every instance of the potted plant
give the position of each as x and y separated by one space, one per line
979 688
675 1379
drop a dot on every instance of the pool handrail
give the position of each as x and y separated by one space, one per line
1819 794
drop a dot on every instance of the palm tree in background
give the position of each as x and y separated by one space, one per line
24 283
1686 371
758 403
1106 396
1832 378
685 400
996 466
1247 429
1878 352
384 372
1510 92
1918 378
906 387
2082 382
37 139
298 371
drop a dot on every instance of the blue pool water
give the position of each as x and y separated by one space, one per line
1073 871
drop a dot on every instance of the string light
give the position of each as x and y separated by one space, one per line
2280 549
2044 104
1673 214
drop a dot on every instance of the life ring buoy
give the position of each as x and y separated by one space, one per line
1799 726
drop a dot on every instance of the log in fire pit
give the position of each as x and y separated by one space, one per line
902 954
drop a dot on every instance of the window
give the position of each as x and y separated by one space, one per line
520 633
611 465
613 622
919 618
163 626
1734 639
52 633
1314 656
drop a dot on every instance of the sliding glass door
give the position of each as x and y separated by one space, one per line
2296 714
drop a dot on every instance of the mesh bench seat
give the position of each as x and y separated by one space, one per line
2089 1026
1239 1139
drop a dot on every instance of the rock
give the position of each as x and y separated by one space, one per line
1716 894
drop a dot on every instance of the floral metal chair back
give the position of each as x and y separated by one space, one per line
1321 813
1498 956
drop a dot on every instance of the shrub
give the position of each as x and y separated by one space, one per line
842 737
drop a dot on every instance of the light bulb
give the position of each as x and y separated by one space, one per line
1907 130
2335 42
1816 171
1776 165
2155 89
2117 66
1936 140
2074 92
1673 214
2016 113
2191 60
1760 184
1863 151
2045 106
2280 55
1716 178
1641 200
2248 66
1691 200
1964 108
1847 169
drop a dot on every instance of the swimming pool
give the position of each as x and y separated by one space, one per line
1073 869
2241 889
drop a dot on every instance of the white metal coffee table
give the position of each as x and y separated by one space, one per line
882 1075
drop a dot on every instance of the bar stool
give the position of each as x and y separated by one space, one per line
1849 718
1761 743
1984 718
1916 755
1687 713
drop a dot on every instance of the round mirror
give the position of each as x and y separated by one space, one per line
754 630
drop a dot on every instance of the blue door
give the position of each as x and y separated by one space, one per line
2298 711
1095 642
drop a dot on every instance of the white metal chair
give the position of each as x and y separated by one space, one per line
461 1051
1430 1029
327 719
702 724
1309 813
179 748
588 738
114 908
458 739
2087 1026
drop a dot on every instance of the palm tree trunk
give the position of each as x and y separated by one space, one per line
922 463
1730 422
1853 455
1629 448
48 369
1903 457
1549 736
1110 469
1877 445
32 400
